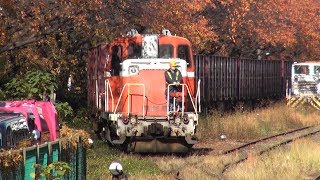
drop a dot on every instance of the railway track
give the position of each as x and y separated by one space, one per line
234 156
263 145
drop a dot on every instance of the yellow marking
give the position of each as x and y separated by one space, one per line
169 74
295 102
314 105
298 102
316 100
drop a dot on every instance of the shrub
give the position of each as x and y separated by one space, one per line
34 84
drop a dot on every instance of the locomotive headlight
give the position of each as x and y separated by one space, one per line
133 120
315 78
177 120
133 70
125 120
296 78
186 120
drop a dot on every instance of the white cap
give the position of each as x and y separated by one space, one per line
115 168
36 134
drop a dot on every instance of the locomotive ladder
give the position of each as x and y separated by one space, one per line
174 100
128 85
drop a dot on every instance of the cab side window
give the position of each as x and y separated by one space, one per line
316 70
134 51
184 53
116 55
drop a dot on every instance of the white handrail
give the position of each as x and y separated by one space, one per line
143 100
168 93
97 94
198 100
106 96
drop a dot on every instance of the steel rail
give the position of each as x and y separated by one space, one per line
275 145
263 139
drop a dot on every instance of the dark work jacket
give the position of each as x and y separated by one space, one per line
172 77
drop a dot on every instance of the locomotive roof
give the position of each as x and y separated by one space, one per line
308 63
132 34
140 35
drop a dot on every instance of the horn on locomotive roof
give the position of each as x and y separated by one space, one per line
132 32
166 32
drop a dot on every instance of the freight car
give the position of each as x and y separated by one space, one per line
126 89
228 82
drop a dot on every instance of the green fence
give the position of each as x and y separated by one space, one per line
44 154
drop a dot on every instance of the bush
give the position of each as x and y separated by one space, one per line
65 111
34 84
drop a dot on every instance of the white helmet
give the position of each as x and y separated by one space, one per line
115 168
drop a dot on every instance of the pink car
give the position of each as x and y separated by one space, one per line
20 118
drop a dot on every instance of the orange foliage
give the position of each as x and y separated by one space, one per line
229 27
290 28
181 17
292 23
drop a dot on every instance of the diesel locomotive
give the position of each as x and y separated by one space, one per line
126 84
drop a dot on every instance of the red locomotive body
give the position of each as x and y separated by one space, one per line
127 84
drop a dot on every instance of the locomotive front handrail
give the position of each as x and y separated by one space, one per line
143 100
97 94
106 94
197 99
168 93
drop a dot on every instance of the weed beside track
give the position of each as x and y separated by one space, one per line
205 160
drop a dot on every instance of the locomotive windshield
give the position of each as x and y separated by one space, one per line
317 70
166 51
301 69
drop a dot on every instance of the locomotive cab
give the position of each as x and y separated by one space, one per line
133 95
306 79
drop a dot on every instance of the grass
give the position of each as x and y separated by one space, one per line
256 124
300 161
100 157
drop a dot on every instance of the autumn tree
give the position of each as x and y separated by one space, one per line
292 25
285 29
49 35
55 35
